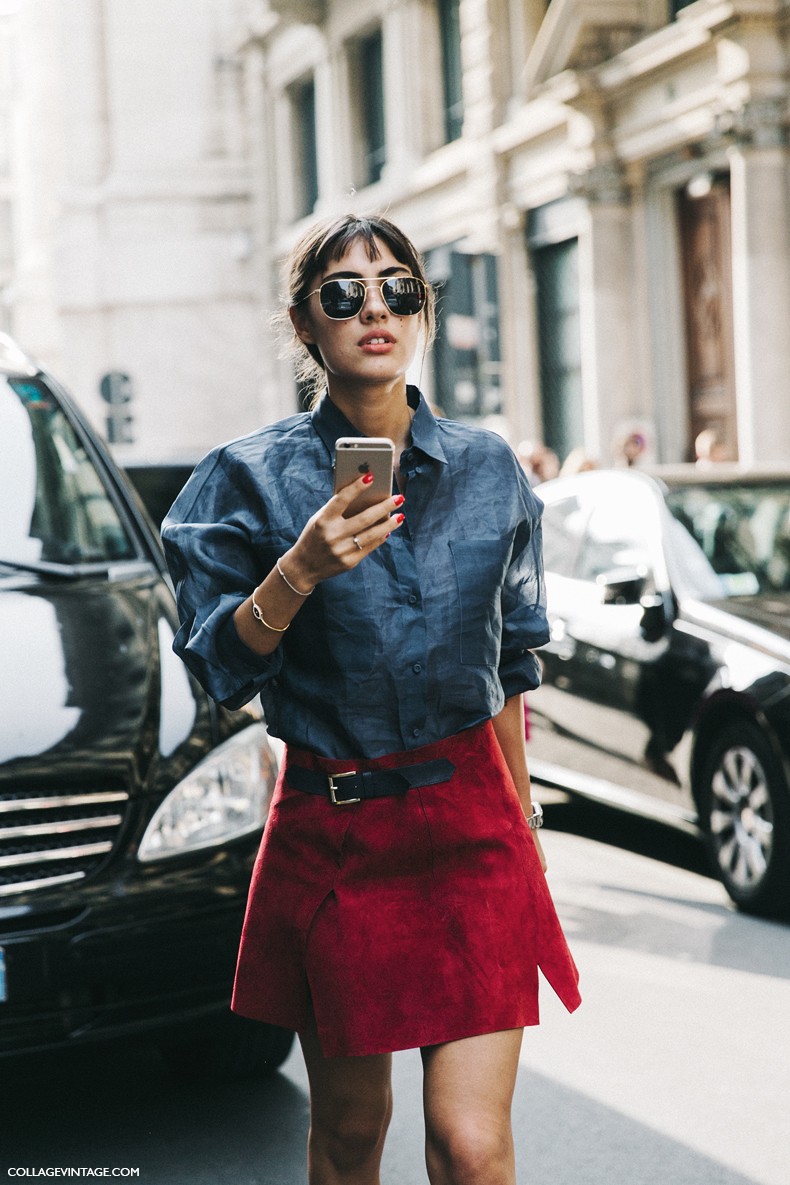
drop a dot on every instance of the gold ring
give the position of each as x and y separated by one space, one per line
357 542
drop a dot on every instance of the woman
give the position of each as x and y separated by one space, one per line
406 905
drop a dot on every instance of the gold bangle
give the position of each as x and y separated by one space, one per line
256 612
293 587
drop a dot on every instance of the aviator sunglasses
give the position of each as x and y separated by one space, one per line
343 299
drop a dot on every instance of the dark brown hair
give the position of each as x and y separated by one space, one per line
325 242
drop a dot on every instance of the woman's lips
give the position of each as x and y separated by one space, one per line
377 343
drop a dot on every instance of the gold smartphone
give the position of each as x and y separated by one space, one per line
355 455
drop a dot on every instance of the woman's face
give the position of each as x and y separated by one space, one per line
372 347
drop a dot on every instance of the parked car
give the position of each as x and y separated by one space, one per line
667 678
130 805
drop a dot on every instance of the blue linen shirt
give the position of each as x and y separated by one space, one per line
427 636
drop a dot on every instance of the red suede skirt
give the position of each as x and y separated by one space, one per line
404 921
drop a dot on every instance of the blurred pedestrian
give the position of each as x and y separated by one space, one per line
399 898
629 448
540 463
710 448
577 461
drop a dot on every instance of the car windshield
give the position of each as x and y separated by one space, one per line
54 508
743 530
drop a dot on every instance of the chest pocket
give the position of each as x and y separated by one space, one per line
480 566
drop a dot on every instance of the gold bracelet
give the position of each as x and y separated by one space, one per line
256 612
293 587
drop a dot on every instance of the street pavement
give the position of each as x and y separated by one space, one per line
675 1069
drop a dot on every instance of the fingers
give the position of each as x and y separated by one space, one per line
331 544
363 541
343 498
371 526
381 511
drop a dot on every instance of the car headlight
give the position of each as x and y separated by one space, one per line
223 798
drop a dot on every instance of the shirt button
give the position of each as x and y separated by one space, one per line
412 598
417 668
415 732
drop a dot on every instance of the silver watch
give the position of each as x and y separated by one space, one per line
535 820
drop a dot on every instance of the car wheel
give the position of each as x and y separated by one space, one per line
227 1046
745 814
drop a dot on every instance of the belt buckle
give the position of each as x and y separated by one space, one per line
352 773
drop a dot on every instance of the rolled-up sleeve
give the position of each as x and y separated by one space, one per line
524 621
208 542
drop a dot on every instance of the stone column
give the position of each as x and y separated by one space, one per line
609 327
402 26
761 282
330 83
518 330
39 165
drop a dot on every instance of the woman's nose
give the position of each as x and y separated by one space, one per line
374 305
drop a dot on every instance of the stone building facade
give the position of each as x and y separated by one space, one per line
600 187
133 207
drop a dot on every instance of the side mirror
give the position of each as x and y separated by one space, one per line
653 625
623 586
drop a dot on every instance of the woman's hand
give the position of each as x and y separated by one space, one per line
328 545
331 544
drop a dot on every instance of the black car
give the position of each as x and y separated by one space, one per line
667 678
131 806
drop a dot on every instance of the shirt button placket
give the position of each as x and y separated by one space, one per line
413 701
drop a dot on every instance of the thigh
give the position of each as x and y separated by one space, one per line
473 1078
347 1089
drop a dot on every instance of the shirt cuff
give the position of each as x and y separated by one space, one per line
235 656
522 673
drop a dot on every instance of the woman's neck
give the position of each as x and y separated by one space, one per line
378 412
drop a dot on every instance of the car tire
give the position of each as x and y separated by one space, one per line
745 816
227 1046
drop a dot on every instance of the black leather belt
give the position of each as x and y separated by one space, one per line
343 789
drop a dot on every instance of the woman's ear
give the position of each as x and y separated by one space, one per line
302 325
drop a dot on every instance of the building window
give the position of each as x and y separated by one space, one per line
305 154
450 34
556 268
467 359
367 91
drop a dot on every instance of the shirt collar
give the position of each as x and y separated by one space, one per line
330 424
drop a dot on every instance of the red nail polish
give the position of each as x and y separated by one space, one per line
399 500
399 518
367 479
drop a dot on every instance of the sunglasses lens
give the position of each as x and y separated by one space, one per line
342 299
404 295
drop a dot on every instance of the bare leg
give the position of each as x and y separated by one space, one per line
468 1094
350 1109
